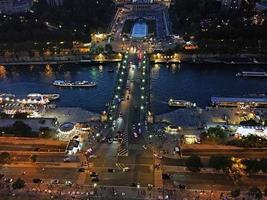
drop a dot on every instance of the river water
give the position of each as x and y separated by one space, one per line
193 82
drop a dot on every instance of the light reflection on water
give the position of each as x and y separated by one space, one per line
193 82
21 80
199 82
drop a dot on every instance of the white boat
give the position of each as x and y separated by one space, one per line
34 98
52 97
252 74
61 83
180 103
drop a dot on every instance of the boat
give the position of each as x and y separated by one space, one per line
50 97
34 98
180 103
61 83
251 74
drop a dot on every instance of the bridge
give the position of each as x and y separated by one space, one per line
127 118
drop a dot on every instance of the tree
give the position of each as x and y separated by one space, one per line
193 163
255 193
108 48
21 129
263 165
265 192
235 193
252 165
18 184
220 162
33 158
4 157
20 115
214 134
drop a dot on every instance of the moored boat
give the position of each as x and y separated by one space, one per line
252 74
61 83
180 103
52 97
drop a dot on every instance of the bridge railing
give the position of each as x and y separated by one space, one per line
119 88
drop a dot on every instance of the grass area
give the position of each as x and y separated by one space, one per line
128 25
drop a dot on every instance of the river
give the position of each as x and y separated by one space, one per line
193 82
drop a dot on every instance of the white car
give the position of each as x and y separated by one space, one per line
157 156
126 169
135 135
93 156
144 147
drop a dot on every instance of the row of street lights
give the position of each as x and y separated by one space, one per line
144 84
118 91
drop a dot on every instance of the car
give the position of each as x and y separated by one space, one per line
126 169
103 139
93 174
36 149
1 176
95 179
134 184
8 180
111 170
68 183
144 147
81 170
67 159
93 156
55 181
135 135
166 176
157 156
37 180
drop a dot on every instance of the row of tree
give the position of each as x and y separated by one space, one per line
74 20
194 163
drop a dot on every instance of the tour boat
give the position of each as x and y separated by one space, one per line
61 83
180 103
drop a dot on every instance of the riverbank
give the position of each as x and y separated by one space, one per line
57 60
227 59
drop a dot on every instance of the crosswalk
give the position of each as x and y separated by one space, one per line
123 151
120 166
123 148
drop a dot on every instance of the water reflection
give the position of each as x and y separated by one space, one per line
3 71
48 72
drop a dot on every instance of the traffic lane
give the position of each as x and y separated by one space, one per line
106 155
44 173
41 148
42 158
211 181
137 174
235 153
